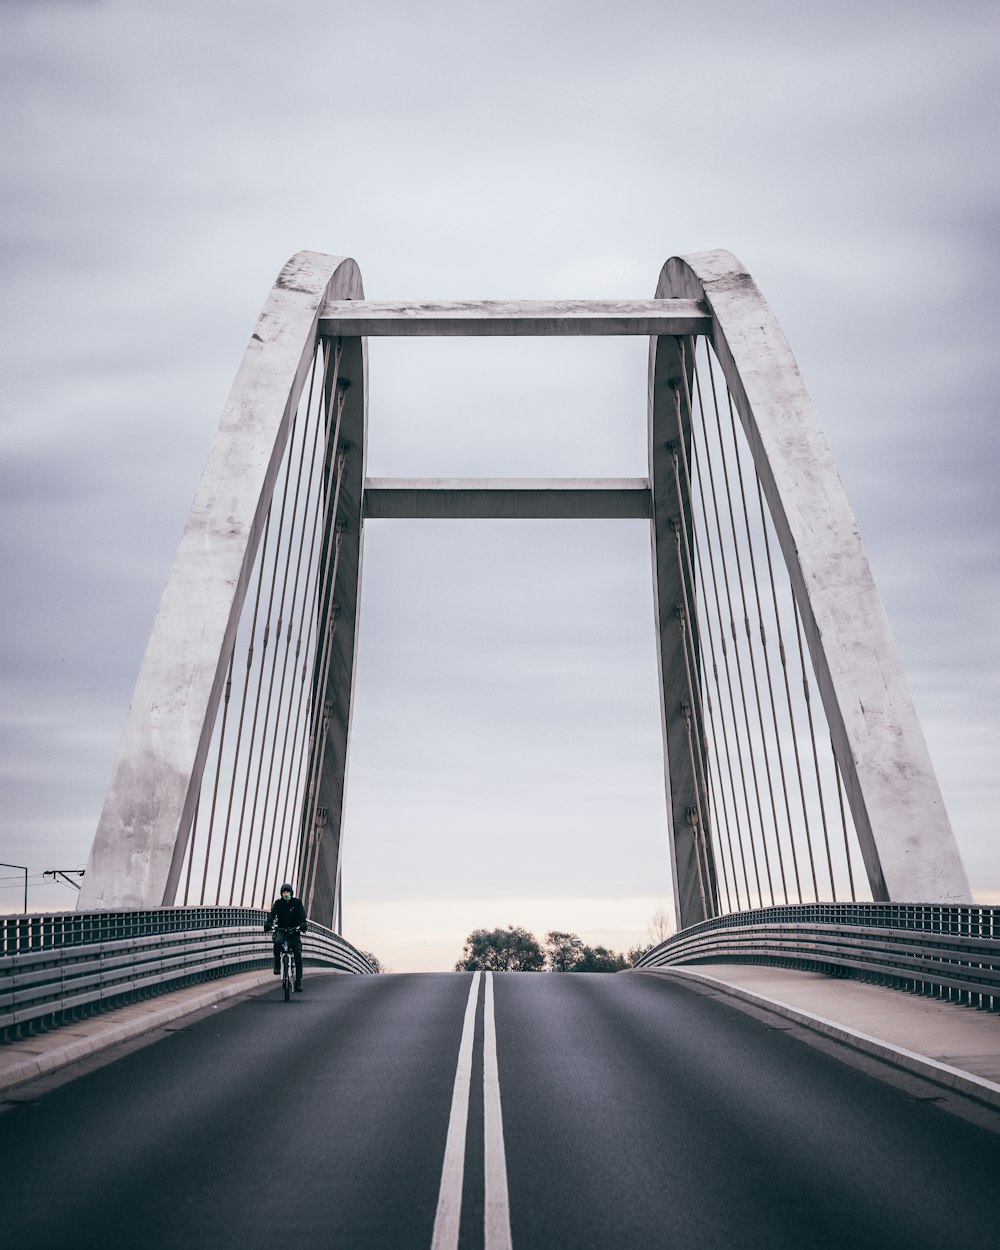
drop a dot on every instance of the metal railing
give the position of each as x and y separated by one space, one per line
57 968
945 951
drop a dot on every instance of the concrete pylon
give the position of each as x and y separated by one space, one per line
139 846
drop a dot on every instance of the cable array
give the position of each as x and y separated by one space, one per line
257 813
770 824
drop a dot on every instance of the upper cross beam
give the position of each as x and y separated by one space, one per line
426 318
506 498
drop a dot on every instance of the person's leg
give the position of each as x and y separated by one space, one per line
297 952
277 959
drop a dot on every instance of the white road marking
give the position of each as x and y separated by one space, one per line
449 1207
496 1213
496 1205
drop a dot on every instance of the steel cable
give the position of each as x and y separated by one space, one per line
291 723
815 752
711 631
791 712
743 756
286 573
767 664
323 609
691 716
227 693
321 517
243 707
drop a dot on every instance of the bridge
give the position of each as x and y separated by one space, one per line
807 836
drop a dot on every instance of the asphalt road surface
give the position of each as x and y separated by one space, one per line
449 1112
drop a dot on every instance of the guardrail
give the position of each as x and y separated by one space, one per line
57 968
944 951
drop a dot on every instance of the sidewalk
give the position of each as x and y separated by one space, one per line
954 1046
48 1052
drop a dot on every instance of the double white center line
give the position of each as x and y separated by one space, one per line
496 1208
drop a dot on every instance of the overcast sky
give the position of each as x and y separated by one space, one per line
159 164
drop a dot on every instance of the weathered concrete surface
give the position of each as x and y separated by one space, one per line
139 845
906 838
440 319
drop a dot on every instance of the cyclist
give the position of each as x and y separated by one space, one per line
288 913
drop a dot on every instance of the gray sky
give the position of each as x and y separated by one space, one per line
159 164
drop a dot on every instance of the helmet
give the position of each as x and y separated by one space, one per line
287 887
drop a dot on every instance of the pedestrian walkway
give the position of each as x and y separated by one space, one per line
952 1045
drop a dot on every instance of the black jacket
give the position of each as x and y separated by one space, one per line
287 914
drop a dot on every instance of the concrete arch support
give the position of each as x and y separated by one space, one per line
906 840
139 846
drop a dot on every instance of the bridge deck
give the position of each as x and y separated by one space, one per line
630 1105
945 1035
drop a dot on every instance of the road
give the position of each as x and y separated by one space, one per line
623 1111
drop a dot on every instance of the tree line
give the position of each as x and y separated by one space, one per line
517 950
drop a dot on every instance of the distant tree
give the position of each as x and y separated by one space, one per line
599 959
501 950
374 960
636 953
660 927
563 950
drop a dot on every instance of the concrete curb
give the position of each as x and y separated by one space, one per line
921 1065
114 1034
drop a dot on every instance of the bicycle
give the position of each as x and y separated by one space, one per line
287 957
